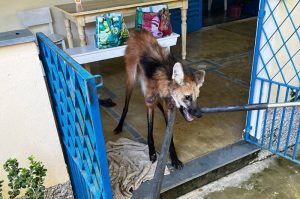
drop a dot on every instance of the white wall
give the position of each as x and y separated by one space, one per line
9 8
27 125
9 20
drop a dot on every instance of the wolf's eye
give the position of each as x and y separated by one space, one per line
188 97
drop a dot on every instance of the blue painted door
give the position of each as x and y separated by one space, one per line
194 17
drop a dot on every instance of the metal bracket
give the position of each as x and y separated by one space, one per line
246 132
99 81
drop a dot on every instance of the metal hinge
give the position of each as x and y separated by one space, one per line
99 81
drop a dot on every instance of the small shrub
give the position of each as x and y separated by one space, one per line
35 178
11 166
1 184
31 179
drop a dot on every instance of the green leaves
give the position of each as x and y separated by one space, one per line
32 179
35 179
294 97
1 184
11 166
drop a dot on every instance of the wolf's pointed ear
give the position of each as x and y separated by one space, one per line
178 74
200 74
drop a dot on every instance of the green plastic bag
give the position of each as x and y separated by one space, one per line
111 30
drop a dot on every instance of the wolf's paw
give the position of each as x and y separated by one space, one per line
153 157
177 164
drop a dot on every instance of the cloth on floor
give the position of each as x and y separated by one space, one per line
129 166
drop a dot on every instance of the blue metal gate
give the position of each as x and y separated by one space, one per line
276 78
74 99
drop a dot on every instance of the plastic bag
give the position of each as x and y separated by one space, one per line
111 30
155 19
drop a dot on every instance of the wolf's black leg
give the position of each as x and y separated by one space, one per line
131 70
152 153
118 129
161 108
173 155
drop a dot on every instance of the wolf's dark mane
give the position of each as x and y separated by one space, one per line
152 65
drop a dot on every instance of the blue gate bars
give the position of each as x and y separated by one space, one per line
276 79
74 99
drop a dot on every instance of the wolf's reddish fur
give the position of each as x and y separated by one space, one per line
143 43
154 66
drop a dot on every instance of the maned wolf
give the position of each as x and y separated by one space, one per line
161 77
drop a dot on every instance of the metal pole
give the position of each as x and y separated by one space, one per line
161 162
246 107
162 159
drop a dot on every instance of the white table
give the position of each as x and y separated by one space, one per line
88 11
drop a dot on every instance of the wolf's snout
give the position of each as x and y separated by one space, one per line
196 112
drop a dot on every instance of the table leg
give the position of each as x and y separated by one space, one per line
69 33
87 67
83 43
81 35
183 31
80 28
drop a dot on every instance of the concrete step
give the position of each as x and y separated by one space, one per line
203 170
